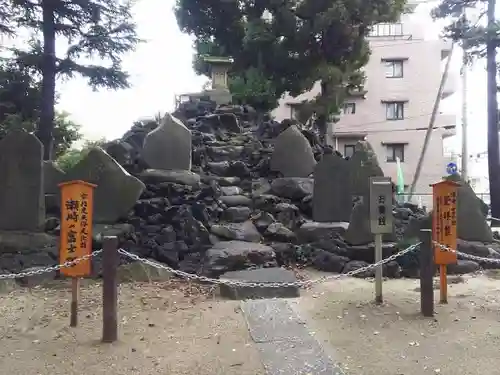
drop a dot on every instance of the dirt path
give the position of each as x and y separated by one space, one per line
164 329
393 339
174 328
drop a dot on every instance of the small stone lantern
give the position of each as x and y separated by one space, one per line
219 68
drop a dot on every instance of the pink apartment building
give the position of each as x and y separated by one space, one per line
394 110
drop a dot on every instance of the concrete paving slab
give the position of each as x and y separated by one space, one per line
283 340
272 320
296 358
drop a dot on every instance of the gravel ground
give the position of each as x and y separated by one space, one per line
165 328
392 339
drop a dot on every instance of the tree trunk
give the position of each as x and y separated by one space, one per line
322 118
46 123
493 143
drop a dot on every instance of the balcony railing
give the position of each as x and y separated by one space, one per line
388 30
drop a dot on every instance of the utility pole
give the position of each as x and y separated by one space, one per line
493 144
431 124
465 152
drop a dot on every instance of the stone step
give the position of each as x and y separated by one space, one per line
261 275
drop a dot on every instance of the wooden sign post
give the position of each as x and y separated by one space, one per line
381 221
76 235
444 229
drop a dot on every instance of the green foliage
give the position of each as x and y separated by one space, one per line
293 44
88 144
91 29
469 33
205 48
65 131
71 157
95 28
6 27
251 87
20 93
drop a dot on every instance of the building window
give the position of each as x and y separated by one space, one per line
393 68
349 108
395 150
349 150
394 110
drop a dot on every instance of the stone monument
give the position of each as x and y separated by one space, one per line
332 200
292 155
169 146
22 200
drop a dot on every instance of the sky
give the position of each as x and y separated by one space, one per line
160 68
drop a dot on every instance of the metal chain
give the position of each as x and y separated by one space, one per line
467 256
296 284
39 271
190 276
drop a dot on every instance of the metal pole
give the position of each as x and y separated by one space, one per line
465 152
493 142
379 269
426 273
110 289
431 124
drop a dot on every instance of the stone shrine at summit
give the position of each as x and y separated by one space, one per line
219 91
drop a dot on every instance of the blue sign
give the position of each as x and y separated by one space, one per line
451 168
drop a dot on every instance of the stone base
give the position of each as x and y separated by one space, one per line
219 96
262 275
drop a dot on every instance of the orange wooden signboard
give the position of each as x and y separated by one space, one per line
444 221
76 226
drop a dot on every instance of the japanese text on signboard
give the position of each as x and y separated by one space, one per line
76 226
381 205
381 210
447 215
444 222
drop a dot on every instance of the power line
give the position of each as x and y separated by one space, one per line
388 121
478 155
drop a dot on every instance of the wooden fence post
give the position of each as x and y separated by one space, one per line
426 273
110 260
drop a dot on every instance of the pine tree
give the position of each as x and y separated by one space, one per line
20 94
469 32
92 30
